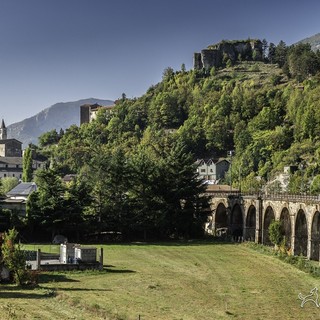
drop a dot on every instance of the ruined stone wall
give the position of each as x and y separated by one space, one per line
214 55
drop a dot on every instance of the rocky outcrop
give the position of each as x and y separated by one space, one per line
217 55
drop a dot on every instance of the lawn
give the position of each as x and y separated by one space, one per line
168 281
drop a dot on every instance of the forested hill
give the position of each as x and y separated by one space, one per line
134 164
267 111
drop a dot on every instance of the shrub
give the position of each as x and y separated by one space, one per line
14 258
275 233
275 79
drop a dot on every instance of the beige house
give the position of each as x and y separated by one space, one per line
13 167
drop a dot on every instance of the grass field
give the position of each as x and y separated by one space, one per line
168 281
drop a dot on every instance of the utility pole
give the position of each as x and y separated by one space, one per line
301 167
230 155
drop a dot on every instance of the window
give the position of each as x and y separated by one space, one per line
203 170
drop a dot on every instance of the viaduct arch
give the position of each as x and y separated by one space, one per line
248 218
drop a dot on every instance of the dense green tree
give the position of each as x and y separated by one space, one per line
181 190
315 185
250 183
74 148
167 74
242 137
8 183
108 178
280 54
49 138
192 135
302 61
146 203
77 202
256 55
27 173
46 205
272 53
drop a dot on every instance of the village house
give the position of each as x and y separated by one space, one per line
212 170
11 156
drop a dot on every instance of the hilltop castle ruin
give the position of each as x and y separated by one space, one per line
217 55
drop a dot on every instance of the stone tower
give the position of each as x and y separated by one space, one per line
3 131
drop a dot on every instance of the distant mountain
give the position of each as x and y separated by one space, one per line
314 41
60 115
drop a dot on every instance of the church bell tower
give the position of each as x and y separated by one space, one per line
3 131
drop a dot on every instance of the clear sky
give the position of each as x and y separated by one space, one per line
65 50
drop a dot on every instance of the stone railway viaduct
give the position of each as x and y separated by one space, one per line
247 217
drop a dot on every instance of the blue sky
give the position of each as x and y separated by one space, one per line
64 50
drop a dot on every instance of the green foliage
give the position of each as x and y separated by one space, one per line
229 63
168 73
183 68
12 256
123 157
315 185
213 71
302 61
275 79
49 138
8 183
45 207
299 262
271 52
27 165
255 68
256 55
280 53
251 183
275 232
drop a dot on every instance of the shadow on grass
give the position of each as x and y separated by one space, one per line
17 292
83 289
47 277
179 243
107 269
21 295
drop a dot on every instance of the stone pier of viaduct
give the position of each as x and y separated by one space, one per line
248 217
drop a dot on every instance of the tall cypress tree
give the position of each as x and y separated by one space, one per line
27 165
